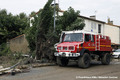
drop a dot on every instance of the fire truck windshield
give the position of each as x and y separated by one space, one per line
73 37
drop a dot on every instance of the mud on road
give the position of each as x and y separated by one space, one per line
97 71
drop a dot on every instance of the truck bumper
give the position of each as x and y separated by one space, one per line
66 54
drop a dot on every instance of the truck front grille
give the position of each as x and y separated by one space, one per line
66 48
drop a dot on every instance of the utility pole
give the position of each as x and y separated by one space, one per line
54 14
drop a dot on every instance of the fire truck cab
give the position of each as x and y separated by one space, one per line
82 46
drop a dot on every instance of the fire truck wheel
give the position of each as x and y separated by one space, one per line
62 61
84 61
106 59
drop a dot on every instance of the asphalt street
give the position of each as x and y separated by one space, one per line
97 71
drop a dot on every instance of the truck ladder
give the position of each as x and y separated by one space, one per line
97 42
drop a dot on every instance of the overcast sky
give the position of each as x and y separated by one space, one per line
101 8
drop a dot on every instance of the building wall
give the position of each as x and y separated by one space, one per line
113 32
19 44
109 30
119 35
92 26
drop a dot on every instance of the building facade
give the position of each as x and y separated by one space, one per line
108 29
93 25
113 31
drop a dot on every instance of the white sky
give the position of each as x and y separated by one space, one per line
103 8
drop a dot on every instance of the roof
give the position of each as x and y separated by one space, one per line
115 44
99 21
91 19
113 25
17 37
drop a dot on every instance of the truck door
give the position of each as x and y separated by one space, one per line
89 42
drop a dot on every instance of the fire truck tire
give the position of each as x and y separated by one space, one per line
62 61
106 59
84 61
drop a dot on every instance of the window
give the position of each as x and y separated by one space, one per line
118 50
99 28
92 38
87 37
93 25
62 37
73 37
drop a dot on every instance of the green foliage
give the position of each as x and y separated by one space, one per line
44 23
70 21
45 17
4 50
11 25
31 32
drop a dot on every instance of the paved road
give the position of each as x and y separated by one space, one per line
97 71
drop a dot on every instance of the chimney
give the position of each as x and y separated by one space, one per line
93 17
109 21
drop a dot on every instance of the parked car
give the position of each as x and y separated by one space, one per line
116 54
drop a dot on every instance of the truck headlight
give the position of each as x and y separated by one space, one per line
59 48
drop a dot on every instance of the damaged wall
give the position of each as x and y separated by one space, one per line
19 44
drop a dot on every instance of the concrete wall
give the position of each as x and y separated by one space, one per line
19 44
113 33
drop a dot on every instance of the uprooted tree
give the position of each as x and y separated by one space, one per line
41 35
44 22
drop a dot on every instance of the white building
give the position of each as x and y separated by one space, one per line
108 29
93 25
113 31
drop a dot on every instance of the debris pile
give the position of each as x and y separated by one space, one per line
22 67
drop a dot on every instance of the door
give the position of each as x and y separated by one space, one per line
89 42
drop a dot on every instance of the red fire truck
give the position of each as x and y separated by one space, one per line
82 46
